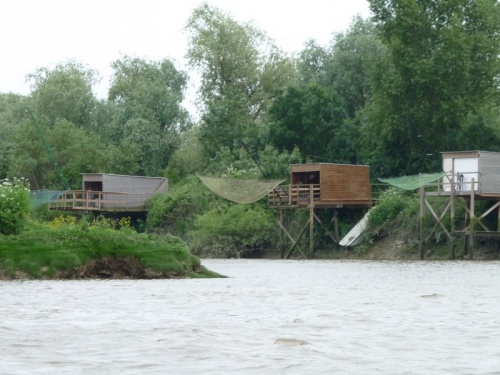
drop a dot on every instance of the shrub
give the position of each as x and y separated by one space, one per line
176 211
63 246
394 204
15 205
233 229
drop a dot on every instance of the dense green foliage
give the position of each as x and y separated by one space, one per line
438 81
63 247
391 92
15 205
233 230
395 204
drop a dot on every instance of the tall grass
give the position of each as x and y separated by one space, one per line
64 246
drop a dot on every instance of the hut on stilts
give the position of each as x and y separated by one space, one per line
320 186
466 178
110 193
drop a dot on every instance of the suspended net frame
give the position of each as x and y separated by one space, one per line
240 190
413 182
43 196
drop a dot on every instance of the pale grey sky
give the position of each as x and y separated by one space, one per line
42 33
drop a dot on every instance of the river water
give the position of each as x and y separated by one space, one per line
267 317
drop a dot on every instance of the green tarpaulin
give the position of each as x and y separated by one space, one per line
413 182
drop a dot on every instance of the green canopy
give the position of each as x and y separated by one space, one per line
413 182
239 190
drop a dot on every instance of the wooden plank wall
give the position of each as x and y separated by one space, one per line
345 182
489 173
131 184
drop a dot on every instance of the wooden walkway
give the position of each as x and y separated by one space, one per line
299 195
95 201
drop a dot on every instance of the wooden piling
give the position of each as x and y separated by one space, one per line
421 217
472 218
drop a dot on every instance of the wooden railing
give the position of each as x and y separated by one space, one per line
295 194
88 200
461 184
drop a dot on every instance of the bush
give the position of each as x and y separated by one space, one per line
64 245
394 204
15 205
176 211
233 230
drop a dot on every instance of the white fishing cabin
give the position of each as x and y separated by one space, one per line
481 168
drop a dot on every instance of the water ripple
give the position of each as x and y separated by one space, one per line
268 317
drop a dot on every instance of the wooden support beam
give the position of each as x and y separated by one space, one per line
294 242
472 218
326 228
311 219
281 244
336 224
438 220
422 208
452 212
478 220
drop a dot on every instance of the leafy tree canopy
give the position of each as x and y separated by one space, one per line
440 75
240 71
64 93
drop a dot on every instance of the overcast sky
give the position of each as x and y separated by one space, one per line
41 33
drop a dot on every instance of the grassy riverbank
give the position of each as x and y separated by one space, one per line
68 250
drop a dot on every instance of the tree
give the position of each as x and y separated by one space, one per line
441 73
307 118
146 99
240 71
75 150
65 93
12 112
345 65
344 69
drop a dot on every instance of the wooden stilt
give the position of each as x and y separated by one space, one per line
422 206
326 228
311 219
472 218
296 242
466 237
282 244
453 256
336 225
452 214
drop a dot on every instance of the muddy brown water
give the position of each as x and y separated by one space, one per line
267 317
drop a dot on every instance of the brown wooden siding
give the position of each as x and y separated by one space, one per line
334 185
304 167
345 182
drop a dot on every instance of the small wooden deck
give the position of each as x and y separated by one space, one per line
95 201
299 195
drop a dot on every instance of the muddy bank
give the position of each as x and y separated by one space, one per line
111 267
394 247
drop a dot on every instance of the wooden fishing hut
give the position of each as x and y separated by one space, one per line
103 192
468 176
321 185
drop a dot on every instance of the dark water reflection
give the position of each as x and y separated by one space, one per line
268 317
